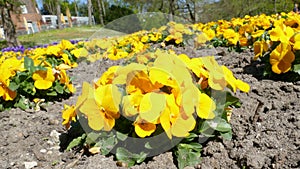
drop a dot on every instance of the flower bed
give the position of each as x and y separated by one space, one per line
174 104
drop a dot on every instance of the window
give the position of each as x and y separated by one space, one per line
23 9
48 20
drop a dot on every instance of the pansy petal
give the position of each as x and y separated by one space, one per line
206 107
151 106
144 129
182 127
42 84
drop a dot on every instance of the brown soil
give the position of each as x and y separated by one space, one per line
265 129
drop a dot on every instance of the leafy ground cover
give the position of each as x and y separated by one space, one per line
254 121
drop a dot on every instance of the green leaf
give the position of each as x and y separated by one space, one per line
105 141
140 157
40 68
186 156
296 68
193 146
148 146
76 142
1 107
219 124
29 64
206 130
129 158
232 100
227 135
13 86
28 88
91 138
125 156
59 88
223 126
121 136
191 137
52 93
22 103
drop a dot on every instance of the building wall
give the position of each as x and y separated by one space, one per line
32 15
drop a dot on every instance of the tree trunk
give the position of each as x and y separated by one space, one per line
103 7
171 9
76 8
90 12
58 14
50 6
8 26
99 2
192 17
197 10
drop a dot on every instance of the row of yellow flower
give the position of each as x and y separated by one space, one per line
259 32
13 62
161 90
262 31
239 32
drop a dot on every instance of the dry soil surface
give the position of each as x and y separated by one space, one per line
265 129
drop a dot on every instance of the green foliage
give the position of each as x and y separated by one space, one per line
76 142
23 84
129 158
127 24
235 8
188 154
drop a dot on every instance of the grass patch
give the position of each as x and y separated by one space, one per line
74 33
49 36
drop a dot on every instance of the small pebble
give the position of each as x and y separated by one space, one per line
29 165
55 135
50 142
43 150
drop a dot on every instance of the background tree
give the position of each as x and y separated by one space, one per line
6 8
227 9
49 7
100 9
90 8
58 14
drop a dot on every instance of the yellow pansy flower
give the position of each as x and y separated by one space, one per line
131 104
281 33
210 34
174 121
296 40
54 50
231 36
68 115
67 61
79 52
151 106
260 47
206 107
108 76
281 58
66 45
100 106
43 79
143 128
216 79
64 79
6 93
